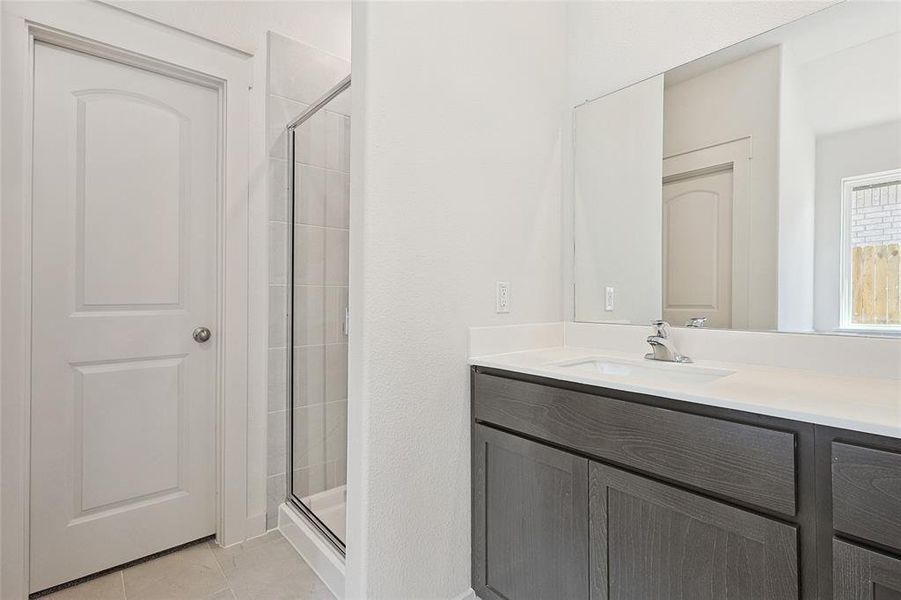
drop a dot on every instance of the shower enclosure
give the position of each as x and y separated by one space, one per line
318 195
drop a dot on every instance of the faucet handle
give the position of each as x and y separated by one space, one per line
698 322
661 328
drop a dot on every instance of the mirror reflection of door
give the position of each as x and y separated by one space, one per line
697 248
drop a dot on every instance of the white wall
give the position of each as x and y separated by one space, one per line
1 365
737 100
856 86
797 166
455 184
243 25
857 152
617 191
614 44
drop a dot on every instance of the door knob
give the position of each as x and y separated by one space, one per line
201 334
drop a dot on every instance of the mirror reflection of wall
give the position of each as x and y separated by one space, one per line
777 204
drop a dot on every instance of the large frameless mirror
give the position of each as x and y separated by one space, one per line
756 188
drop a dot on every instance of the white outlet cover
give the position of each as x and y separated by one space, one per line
503 297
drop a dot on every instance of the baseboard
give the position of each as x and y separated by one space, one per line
325 561
256 526
467 595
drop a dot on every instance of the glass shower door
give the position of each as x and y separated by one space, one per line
319 172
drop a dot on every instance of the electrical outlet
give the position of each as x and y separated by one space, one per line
503 297
608 299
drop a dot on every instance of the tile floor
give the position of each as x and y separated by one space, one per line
264 568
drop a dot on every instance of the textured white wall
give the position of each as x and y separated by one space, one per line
614 44
324 24
455 184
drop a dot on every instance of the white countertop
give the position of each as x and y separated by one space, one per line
867 404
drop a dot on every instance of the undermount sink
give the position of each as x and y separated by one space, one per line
654 373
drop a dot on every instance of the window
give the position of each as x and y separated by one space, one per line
871 244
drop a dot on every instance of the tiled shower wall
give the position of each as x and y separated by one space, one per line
298 75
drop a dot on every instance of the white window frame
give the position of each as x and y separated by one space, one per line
846 294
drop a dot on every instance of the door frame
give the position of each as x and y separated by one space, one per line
111 33
735 154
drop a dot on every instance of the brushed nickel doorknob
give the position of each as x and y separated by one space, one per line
201 334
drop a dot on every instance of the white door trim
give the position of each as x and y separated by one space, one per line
103 30
737 154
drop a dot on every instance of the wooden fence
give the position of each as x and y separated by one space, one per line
876 278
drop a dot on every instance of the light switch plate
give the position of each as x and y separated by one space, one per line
608 299
503 297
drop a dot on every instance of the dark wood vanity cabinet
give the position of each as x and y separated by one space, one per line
859 524
862 574
654 541
531 519
588 493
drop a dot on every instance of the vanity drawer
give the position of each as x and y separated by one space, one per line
743 462
866 494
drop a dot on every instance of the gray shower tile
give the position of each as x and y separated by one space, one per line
335 372
337 143
336 256
309 375
337 199
309 255
277 384
309 315
335 305
336 431
278 253
341 475
302 72
276 456
278 189
280 112
310 141
309 194
310 480
278 317
275 495
309 436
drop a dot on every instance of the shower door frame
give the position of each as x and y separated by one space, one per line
290 498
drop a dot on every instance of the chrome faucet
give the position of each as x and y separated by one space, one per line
697 322
662 347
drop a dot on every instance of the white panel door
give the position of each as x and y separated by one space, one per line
697 249
123 458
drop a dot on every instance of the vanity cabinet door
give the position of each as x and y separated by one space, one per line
656 542
861 574
866 494
530 520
